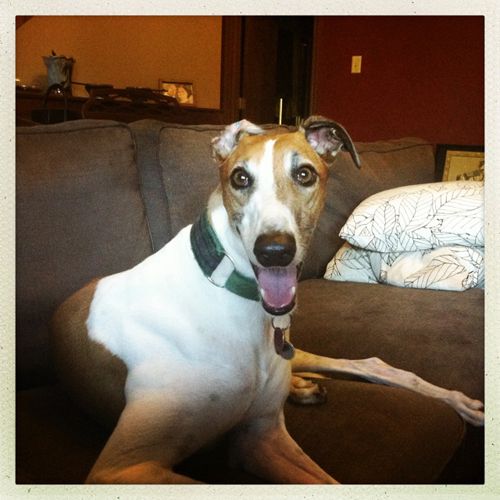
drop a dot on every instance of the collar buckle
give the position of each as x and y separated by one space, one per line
222 272
217 266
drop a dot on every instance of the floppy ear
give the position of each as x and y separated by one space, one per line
224 144
327 138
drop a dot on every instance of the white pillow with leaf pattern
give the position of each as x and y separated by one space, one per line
351 264
419 217
447 268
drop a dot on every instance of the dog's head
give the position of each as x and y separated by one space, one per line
273 188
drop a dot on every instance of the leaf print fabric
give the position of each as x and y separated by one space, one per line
351 264
448 268
422 236
419 217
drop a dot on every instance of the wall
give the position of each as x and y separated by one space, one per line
421 76
127 51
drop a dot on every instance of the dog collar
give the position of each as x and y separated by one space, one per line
216 265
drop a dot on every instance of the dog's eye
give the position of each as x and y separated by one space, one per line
305 175
240 179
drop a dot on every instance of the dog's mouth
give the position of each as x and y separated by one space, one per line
277 287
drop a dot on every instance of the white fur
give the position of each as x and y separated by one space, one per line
265 212
150 324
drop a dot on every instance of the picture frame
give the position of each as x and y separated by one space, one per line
459 162
182 91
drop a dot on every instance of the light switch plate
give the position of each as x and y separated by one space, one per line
356 64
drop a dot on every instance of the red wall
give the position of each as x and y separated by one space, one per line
421 76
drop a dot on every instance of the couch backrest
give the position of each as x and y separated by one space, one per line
178 158
96 197
384 165
79 215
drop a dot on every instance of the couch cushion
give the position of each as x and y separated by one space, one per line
189 172
55 442
384 165
370 434
147 138
437 334
79 215
363 434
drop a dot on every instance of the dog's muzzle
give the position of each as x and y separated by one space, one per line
276 274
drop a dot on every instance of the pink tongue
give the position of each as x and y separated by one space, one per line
278 285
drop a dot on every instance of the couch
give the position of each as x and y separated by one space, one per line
96 197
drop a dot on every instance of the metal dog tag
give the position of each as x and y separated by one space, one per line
279 340
288 351
282 347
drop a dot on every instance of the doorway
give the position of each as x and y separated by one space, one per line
276 61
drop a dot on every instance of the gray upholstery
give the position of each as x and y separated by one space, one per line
189 172
79 215
406 327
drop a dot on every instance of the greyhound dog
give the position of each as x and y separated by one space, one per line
193 343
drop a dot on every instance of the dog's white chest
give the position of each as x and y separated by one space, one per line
189 335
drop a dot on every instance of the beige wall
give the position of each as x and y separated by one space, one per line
126 51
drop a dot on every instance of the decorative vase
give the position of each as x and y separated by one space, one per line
59 70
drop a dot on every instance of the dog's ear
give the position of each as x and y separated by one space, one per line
224 144
327 138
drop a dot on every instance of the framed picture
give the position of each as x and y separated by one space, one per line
454 163
182 91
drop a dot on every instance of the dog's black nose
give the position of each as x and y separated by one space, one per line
275 249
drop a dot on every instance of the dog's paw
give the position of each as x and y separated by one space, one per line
305 392
471 410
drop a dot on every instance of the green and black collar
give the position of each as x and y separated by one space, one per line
210 254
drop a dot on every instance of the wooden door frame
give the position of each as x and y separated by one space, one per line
230 68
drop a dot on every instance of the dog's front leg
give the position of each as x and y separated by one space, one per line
376 370
143 448
142 473
264 448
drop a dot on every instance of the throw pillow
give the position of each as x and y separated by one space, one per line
419 217
446 268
